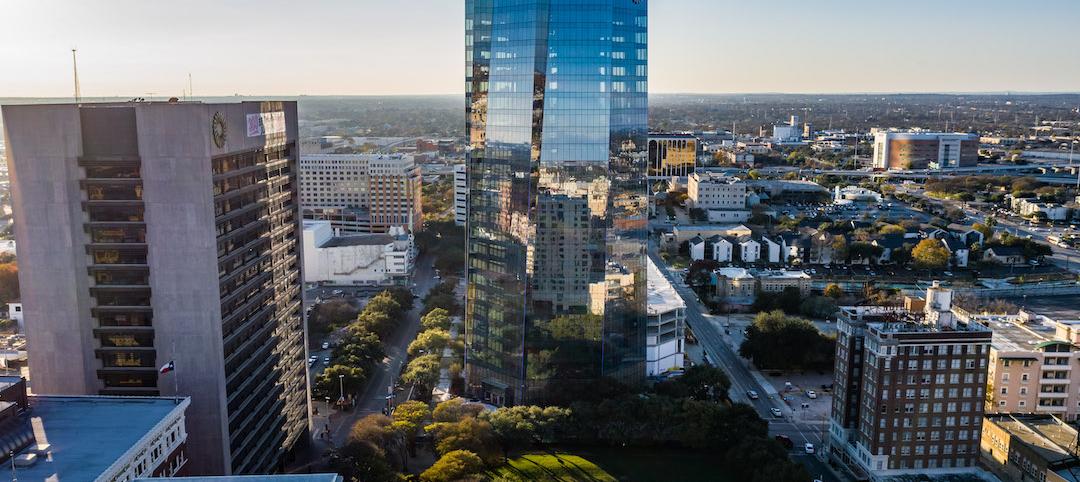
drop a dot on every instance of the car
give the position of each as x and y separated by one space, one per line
325 345
752 394
785 441
310 363
326 360
811 394
808 448
776 412
313 358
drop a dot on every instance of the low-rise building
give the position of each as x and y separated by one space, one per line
1005 255
92 438
1021 446
1033 208
706 190
850 194
361 259
664 332
776 281
680 234
735 285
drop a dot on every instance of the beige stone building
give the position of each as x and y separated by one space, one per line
1031 367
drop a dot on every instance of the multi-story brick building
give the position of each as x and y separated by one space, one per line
361 193
909 388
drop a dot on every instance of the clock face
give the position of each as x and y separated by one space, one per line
217 129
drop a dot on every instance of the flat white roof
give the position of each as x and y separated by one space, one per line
662 296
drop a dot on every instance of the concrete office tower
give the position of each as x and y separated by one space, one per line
556 116
361 193
158 232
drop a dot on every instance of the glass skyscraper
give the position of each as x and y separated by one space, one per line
556 94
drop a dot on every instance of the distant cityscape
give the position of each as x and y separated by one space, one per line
557 277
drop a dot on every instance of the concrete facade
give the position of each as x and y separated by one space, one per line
190 260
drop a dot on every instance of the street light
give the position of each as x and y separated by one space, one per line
341 379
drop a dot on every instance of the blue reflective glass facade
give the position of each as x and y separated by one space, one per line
556 113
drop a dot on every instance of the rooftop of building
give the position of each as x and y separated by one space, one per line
1013 337
733 273
914 325
662 296
254 478
716 178
671 135
359 240
699 228
1047 435
87 434
782 274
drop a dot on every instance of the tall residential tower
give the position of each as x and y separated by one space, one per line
556 110
158 232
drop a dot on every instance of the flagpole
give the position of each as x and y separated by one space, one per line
176 375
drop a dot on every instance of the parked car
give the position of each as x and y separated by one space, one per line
326 360
325 345
785 441
776 412
752 394
808 448
811 394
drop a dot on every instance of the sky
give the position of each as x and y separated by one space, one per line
389 47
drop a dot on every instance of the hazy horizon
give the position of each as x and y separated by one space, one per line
378 48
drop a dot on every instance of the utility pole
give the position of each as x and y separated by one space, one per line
75 69
189 91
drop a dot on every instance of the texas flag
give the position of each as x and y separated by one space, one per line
166 368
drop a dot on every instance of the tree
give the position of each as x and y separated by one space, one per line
9 282
329 383
409 418
422 371
454 465
437 318
891 229
455 410
362 461
524 424
834 291
699 382
378 431
429 341
931 254
470 434
986 230
778 341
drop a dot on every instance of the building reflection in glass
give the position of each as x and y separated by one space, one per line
557 98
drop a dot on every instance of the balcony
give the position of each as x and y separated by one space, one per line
1054 381
1053 394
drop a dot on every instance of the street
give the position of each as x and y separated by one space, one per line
742 380
372 398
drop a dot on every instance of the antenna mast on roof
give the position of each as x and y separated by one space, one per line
75 68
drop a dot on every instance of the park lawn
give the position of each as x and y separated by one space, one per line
550 467
596 464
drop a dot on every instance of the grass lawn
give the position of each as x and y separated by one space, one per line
550 467
595 464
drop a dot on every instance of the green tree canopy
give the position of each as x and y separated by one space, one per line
452 466
930 254
437 318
